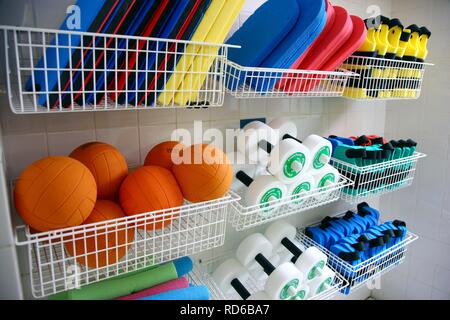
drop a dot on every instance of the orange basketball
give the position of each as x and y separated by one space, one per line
55 193
148 189
106 163
108 244
205 174
161 154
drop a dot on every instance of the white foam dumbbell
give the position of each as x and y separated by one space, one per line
321 150
295 190
285 160
284 281
309 262
323 283
284 127
288 160
230 276
325 178
263 191
240 163
250 136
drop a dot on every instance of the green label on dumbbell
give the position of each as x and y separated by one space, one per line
272 193
284 294
288 165
323 286
313 273
301 294
304 187
324 151
325 179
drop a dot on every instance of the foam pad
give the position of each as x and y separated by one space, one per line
96 13
311 22
276 18
338 34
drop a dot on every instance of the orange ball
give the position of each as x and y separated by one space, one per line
90 248
161 154
55 193
205 174
148 189
106 163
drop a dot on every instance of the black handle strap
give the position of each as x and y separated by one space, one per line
292 248
350 256
288 136
240 289
244 178
266 146
265 264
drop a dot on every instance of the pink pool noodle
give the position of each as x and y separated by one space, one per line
180 283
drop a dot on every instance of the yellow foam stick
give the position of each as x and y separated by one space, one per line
370 45
382 36
425 35
194 79
187 59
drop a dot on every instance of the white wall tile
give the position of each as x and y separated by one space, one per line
124 139
417 290
10 284
63 143
441 279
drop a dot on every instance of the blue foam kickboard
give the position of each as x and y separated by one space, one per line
310 24
134 29
49 79
261 33
171 23
92 57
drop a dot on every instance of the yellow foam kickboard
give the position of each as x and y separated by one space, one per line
187 59
194 79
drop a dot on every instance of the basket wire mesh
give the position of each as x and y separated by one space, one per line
384 79
69 258
377 179
64 71
243 217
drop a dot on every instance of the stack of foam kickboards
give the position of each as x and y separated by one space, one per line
370 150
358 237
297 35
79 70
389 39
164 282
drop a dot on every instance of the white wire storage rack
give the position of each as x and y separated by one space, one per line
202 275
243 217
377 179
384 79
65 259
251 82
363 273
68 71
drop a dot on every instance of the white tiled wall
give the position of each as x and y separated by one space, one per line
425 206
28 138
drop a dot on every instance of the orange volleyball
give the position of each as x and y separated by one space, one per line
108 244
107 165
148 189
205 174
162 154
55 193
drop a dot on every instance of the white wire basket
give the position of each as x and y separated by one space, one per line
384 79
65 71
58 260
363 273
202 275
250 82
243 217
377 179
